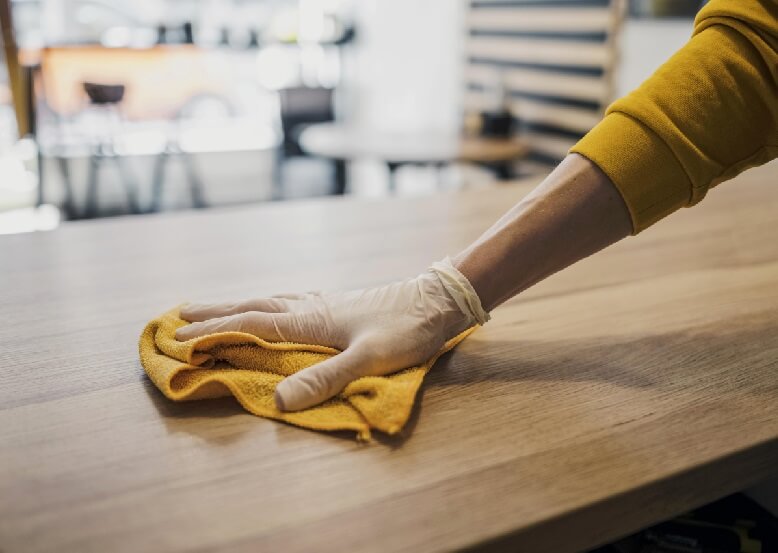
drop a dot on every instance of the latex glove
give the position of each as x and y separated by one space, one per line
378 330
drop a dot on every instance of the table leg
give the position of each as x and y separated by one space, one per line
439 174
69 204
504 170
340 176
392 166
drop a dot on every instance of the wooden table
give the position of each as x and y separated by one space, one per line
634 386
343 142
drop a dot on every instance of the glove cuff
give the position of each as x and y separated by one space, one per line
460 289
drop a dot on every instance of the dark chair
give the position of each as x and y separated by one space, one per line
301 106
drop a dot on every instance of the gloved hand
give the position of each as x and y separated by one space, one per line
378 330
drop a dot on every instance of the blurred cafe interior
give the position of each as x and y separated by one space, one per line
129 107
154 152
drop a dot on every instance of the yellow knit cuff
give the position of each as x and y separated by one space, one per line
641 165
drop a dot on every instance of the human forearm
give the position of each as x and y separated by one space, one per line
706 115
575 212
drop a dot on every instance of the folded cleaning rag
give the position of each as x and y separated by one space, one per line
250 368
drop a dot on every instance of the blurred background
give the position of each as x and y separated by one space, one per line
114 107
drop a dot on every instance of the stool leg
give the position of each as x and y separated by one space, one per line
157 181
69 205
129 184
90 203
277 179
195 183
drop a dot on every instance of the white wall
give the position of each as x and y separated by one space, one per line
645 45
406 74
406 71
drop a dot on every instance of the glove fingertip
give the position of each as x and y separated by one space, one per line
183 333
187 309
279 399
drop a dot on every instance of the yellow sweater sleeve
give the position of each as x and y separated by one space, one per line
707 114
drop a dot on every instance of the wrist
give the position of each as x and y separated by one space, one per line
460 293
474 273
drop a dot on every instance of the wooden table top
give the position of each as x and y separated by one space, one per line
638 384
343 141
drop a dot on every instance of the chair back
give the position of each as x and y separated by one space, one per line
302 106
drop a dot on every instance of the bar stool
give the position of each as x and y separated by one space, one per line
105 100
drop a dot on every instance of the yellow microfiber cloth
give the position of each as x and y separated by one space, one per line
250 368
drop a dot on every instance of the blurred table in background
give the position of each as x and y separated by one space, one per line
346 142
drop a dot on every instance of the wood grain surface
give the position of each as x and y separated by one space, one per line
638 384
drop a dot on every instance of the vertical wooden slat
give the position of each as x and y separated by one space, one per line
10 50
557 60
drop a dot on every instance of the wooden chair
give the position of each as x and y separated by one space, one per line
555 60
